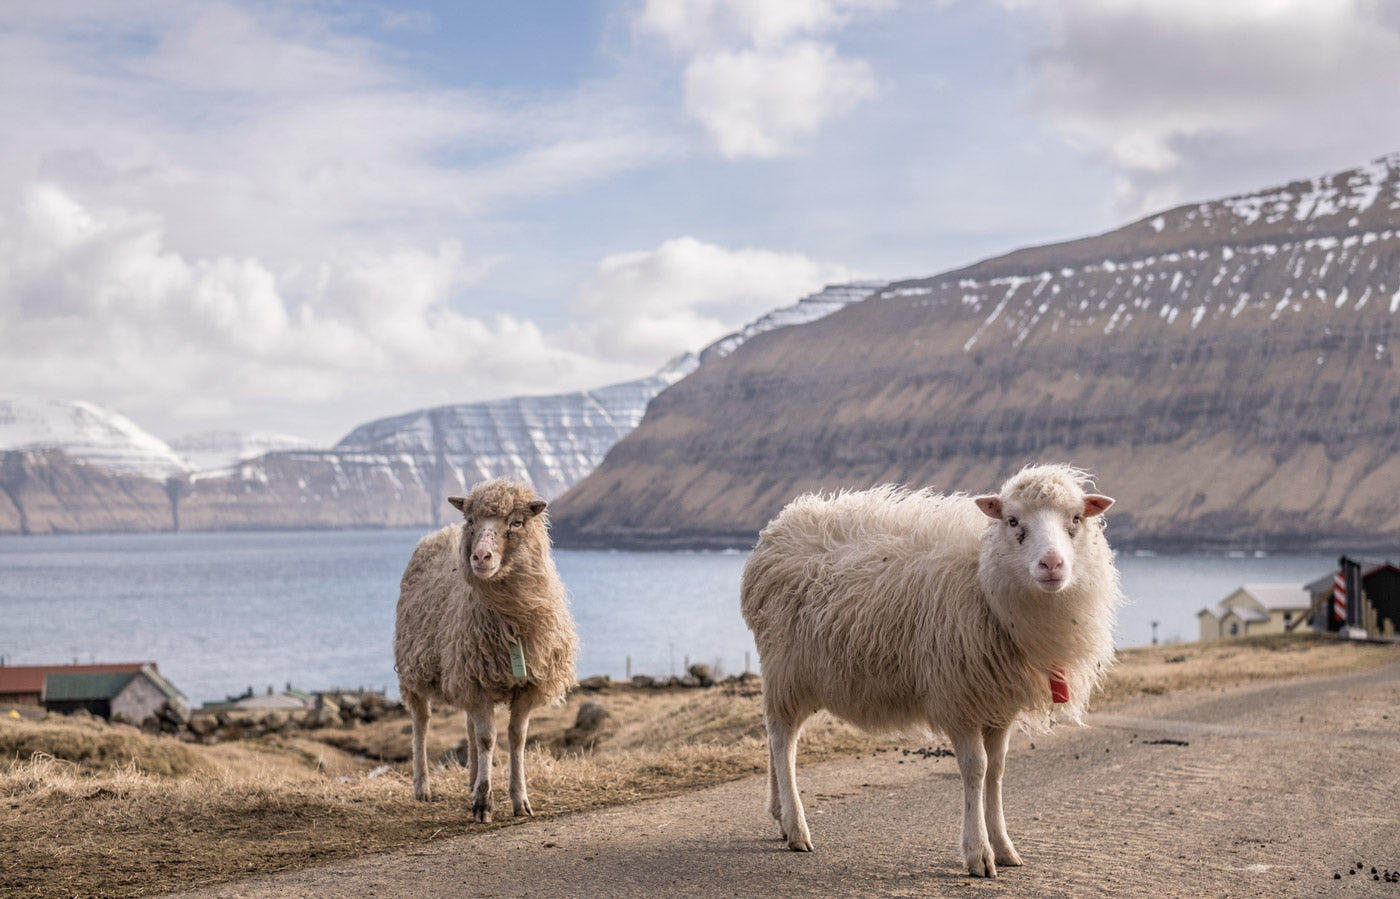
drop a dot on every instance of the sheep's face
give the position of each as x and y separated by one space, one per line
494 526
1044 534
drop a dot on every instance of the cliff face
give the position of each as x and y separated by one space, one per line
49 492
1228 370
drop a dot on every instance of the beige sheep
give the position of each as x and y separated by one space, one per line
900 610
483 619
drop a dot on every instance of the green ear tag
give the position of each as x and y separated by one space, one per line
517 659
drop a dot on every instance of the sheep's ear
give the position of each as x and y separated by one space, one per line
1094 504
990 506
458 502
537 507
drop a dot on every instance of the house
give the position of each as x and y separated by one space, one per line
1255 609
134 690
1361 596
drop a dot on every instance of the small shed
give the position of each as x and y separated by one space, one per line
133 689
1361 596
1255 609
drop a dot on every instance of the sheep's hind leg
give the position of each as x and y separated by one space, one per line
481 725
421 711
996 739
972 763
519 723
785 802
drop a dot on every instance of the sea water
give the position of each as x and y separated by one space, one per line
222 613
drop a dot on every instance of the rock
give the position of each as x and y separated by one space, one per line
587 724
591 716
203 725
643 681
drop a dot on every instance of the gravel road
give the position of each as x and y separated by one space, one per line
1251 791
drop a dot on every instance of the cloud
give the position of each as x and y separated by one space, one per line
228 215
94 305
756 77
656 304
761 103
1166 92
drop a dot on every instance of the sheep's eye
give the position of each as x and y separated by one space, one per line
1078 518
517 523
1012 522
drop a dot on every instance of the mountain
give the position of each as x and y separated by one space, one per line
553 441
47 491
223 449
1228 369
392 472
89 433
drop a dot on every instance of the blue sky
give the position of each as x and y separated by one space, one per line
301 216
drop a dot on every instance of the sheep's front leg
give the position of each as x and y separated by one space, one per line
785 801
471 749
996 740
481 726
972 762
421 711
519 723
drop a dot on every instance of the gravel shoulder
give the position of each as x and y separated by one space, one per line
1264 790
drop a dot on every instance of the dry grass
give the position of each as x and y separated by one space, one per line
89 809
1189 666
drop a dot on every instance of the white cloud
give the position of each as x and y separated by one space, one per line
655 304
93 305
756 77
694 24
214 208
1168 92
760 104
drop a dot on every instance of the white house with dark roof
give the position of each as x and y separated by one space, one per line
1255 609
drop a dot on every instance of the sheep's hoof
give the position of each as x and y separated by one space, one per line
481 813
1009 858
801 844
980 860
523 809
423 794
983 867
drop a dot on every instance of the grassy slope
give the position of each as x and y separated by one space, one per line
92 809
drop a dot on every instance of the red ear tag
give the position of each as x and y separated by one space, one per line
1059 687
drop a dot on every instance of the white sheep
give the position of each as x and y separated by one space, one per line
483 619
897 610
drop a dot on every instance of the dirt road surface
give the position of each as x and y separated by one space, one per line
1250 791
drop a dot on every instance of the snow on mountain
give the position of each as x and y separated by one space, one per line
552 440
223 449
555 441
88 432
807 309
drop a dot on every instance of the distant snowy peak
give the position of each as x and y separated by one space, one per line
222 449
554 441
88 432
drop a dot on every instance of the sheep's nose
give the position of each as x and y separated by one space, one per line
1051 563
482 555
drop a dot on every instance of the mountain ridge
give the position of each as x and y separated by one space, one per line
1227 368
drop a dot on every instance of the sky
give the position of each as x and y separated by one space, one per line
297 217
